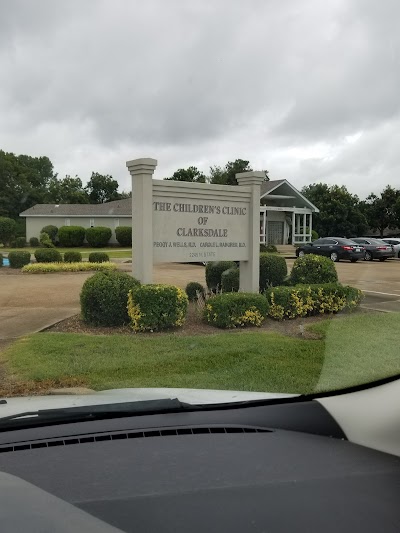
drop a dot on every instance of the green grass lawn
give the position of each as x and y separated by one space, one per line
118 252
354 349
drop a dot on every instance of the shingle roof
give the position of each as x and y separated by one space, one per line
115 208
267 186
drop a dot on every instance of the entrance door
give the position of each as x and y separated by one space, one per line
275 232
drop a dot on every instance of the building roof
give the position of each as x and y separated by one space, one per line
268 186
115 208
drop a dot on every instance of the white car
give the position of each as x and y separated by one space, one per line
395 242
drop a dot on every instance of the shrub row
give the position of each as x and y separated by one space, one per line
231 310
74 236
44 268
307 300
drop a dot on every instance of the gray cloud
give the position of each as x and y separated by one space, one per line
92 84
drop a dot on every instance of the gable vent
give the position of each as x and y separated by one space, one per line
101 437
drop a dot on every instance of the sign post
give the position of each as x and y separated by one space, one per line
175 221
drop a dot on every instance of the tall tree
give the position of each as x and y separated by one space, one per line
67 191
381 211
340 212
227 175
24 182
102 188
191 174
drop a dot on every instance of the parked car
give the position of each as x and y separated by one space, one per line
334 247
395 243
375 249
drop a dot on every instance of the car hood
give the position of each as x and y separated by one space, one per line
14 406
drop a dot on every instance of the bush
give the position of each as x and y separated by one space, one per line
104 298
51 231
98 257
45 240
72 257
1 260
230 310
123 235
314 235
8 228
20 242
47 255
313 268
19 259
268 248
98 237
71 236
214 272
307 300
273 271
157 307
43 268
34 242
230 280
193 289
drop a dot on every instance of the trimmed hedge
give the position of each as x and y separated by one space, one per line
308 300
20 242
45 240
72 257
19 259
268 249
230 280
104 298
313 268
157 307
273 271
71 236
51 231
98 237
214 271
47 255
123 234
98 257
1 260
34 242
44 268
193 289
230 310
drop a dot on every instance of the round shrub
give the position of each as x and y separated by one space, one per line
273 271
8 229
51 232
19 259
123 235
72 257
104 298
20 242
268 248
98 257
313 268
45 240
193 289
214 271
71 236
47 255
98 237
230 310
230 280
34 242
157 307
1 260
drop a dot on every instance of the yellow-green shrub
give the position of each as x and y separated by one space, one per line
307 300
43 268
230 310
157 307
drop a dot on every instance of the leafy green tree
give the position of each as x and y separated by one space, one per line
227 175
67 191
381 211
102 188
340 211
191 174
8 228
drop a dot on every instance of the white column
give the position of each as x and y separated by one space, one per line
265 226
293 226
304 227
141 171
310 226
297 223
250 269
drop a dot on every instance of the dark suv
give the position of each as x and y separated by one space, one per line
334 247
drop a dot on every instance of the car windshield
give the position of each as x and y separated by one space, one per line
174 177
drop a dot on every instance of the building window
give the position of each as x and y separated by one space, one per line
67 222
91 222
116 222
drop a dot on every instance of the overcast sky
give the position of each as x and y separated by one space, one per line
308 89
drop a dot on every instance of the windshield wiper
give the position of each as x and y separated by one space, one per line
92 412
